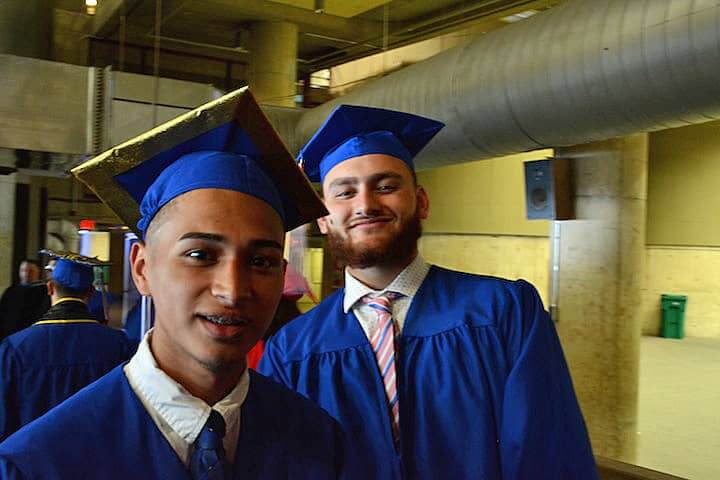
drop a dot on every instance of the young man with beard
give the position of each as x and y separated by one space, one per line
212 194
432 373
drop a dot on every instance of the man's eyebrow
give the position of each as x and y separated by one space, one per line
212 237
343 182
376 177
260 243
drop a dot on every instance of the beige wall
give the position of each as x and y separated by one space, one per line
500 256
683 227
477 221
684 186
489 234
690 271
681 270
483 197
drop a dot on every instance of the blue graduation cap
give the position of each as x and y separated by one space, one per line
73 271
351 131
226 144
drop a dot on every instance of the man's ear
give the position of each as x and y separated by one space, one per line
50 288
138 263
323 225
423 202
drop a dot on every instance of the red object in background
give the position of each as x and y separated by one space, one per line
296 285
87 224
254 355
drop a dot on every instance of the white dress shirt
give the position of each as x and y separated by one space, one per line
179 415
407 283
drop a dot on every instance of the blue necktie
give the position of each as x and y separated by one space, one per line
208 460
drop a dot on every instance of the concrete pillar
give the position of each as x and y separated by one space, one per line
7 222
601 273
272 71
26 27
34 242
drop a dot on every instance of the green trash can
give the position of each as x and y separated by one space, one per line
673 315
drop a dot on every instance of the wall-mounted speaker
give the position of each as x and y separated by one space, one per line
548 192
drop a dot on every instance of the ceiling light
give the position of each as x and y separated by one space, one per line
519 16
91 6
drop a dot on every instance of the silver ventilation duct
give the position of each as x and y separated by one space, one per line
583 71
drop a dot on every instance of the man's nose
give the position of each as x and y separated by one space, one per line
232 283
366 203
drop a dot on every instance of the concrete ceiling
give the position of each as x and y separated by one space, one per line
346 30
340 8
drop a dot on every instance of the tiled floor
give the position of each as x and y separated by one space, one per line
679 407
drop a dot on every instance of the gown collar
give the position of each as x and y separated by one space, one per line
182 412
407 283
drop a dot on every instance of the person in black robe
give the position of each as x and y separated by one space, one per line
21 306
23 303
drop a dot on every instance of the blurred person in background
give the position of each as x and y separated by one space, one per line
24 302
65 350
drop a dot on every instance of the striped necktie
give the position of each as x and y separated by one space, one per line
208 460
383 344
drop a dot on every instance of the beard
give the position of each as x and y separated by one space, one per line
395 250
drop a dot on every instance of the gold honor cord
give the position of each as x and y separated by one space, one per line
48 322
68 299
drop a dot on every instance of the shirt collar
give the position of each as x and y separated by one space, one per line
183 412
406 283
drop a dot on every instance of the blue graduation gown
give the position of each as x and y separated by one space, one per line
104 432
46 363
483 385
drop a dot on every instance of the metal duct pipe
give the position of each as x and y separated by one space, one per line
586 70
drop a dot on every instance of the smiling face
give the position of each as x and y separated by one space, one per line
213 265
375 211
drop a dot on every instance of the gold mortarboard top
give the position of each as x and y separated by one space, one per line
233 123
75 258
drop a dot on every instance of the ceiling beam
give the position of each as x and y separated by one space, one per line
107 18
431 26
306 20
